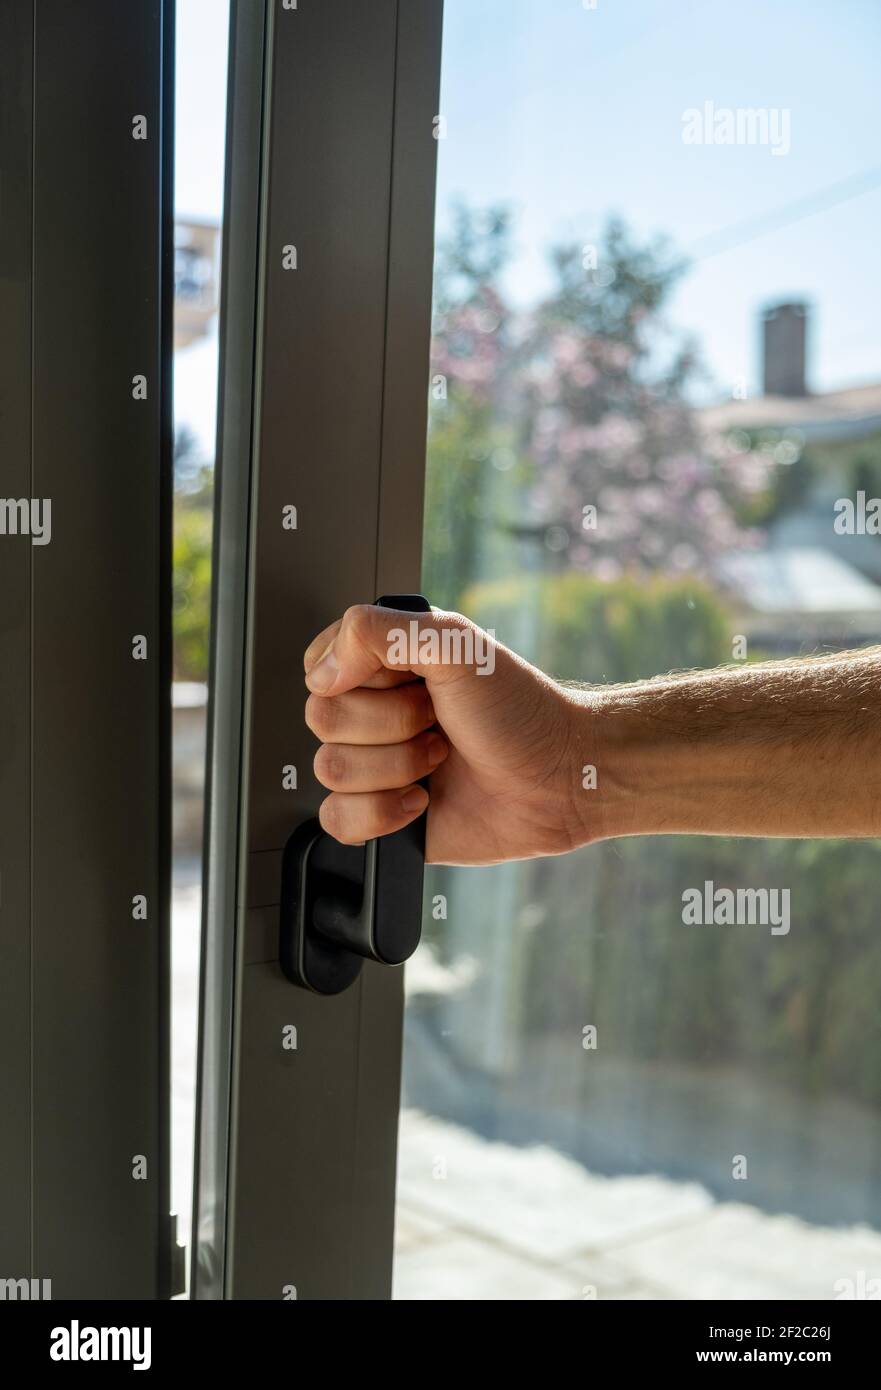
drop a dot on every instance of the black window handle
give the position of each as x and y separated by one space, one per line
344 904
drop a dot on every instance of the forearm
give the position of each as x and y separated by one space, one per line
789 748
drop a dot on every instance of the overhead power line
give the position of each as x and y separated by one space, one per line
715 243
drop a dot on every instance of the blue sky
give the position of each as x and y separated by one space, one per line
200 101
568 114
200 134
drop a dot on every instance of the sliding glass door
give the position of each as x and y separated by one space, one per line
646 393
655 385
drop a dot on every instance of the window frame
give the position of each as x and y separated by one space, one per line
324 386
87 245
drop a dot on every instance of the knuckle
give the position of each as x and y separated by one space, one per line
387 816
332 820
421 709
322 716
416 760
331 767
310 713
356 619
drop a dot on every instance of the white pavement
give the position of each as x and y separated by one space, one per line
478 1220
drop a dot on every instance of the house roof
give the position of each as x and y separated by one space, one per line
799 580
852 413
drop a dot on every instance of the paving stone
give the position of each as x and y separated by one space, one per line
530 1218
737 1252
532 1200
462 1268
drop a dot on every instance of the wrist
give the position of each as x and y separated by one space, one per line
635 774
596 791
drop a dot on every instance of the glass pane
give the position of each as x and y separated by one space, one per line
655 372
200 134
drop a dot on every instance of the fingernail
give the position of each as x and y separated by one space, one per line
437 749
416 799
324 672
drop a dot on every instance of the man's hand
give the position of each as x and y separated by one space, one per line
496 735
782 748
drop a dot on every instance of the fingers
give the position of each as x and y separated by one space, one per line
369 641
374 720
319 645
371 716
352 819
352 769
382 680
373 783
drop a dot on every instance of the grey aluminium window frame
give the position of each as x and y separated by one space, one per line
324 382
86 264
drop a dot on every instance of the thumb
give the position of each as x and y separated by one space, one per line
369 640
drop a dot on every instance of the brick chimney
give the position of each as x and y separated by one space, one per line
784 349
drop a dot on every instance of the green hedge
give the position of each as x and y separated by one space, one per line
577 628
192 590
